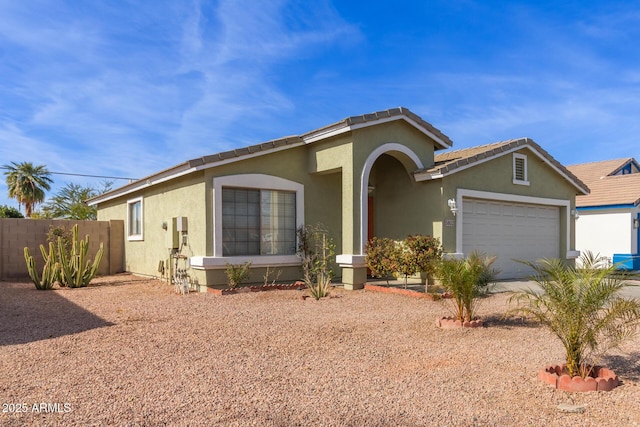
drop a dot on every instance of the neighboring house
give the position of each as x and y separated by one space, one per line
364 176
609 216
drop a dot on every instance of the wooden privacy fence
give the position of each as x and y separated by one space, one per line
16 233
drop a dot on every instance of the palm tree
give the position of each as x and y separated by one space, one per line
27 184
467 280
583 308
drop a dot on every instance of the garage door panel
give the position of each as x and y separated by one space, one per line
511 231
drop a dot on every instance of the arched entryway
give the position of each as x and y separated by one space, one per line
387 187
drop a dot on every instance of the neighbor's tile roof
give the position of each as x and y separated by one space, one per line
451 161
607 189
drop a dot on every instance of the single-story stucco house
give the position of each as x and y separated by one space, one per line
384 174
609 217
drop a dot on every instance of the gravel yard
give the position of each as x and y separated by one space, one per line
129 351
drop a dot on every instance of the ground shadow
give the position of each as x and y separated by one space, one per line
28 314
499 320
626 366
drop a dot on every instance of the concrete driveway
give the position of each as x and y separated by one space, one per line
520 285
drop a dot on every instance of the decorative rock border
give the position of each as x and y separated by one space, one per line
601 379
261 288
452 323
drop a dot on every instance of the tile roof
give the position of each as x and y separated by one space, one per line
449 162
607 189
354 122
345 125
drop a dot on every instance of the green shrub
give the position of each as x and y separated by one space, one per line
237 273
10 212
415 254
381 257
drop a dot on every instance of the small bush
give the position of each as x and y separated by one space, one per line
415 254
237 273
381 257
269 273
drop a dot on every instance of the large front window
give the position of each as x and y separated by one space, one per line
258 222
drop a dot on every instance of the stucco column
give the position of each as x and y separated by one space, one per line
352 260
354 271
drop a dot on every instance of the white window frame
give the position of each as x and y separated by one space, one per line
252 181
140 236
259 217
517 181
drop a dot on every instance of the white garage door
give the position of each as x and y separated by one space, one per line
511 231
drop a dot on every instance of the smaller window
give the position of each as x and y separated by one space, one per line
520 175
134 219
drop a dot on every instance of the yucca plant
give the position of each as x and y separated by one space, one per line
582 307
467 280
49 271
76 269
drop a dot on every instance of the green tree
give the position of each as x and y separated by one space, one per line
27 184
69 202
9 212
582 307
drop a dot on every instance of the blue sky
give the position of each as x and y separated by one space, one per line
128 88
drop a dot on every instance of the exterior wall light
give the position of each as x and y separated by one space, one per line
452 205
636 223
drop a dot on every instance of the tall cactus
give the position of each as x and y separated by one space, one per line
76 270
49 271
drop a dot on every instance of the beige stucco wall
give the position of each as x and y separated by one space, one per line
184 196
352 152
402 206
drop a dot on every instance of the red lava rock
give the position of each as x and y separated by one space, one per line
601 379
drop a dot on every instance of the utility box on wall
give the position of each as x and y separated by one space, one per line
177 227
181 224
172 237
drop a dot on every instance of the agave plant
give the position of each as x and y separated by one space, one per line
582 306
467 280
